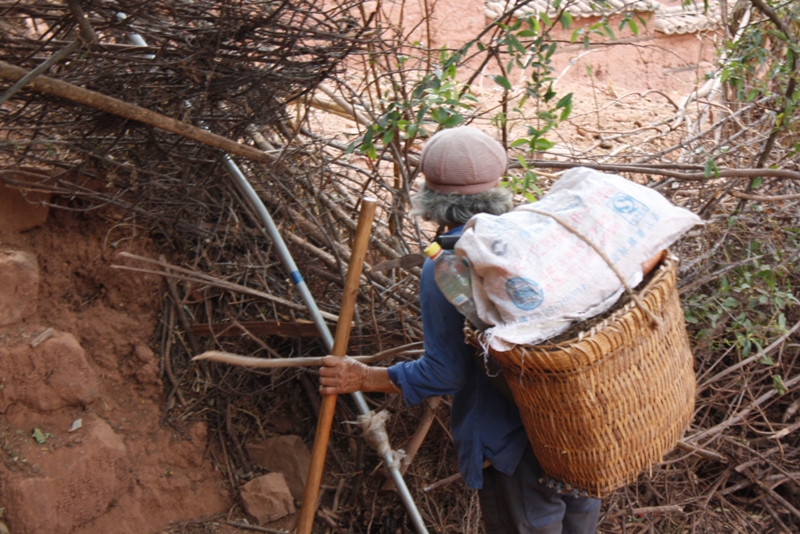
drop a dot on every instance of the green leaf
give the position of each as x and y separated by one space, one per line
367 140
388 136
502 81
38 436
519 142
514 44
521 159
529 179
566 20
766 360
730 303
777 383
453 120
421 113
543 144
565 104
711 167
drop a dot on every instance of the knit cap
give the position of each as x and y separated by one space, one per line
462 160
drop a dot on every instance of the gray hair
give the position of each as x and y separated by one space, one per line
454 209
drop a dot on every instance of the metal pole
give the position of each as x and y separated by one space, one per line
283 252
324 331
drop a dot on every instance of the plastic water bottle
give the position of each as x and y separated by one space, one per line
452 275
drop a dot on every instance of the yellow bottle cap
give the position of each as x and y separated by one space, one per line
433 250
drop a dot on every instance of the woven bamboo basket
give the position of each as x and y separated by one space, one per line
602 407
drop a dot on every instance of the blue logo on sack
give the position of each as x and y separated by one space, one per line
628 208
525 294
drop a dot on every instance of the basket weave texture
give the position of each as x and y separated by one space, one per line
604 406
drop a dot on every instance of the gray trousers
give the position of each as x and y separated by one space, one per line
520 504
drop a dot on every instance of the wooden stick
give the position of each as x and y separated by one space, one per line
341 339
294 329
732 420
666 509
205 279
442 482
431 404
703 453
51 86
663 170
309 361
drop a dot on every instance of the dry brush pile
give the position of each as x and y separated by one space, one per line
190 81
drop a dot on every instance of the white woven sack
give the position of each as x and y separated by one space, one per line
533 278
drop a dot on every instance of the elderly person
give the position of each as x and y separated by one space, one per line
462 168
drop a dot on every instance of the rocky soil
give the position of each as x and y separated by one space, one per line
83 445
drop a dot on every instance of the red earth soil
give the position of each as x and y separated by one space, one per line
122 470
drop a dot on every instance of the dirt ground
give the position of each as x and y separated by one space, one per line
91 394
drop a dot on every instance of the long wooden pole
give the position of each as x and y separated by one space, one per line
340 341
54 87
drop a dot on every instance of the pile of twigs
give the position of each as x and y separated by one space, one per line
247 71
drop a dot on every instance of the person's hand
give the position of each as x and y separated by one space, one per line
339 375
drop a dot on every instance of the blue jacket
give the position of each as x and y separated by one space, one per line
484 424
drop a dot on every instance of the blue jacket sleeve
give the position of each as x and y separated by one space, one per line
444 368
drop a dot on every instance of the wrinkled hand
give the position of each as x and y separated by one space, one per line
339 375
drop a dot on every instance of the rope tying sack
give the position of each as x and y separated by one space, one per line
655 320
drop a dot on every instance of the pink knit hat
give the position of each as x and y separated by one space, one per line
462 160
